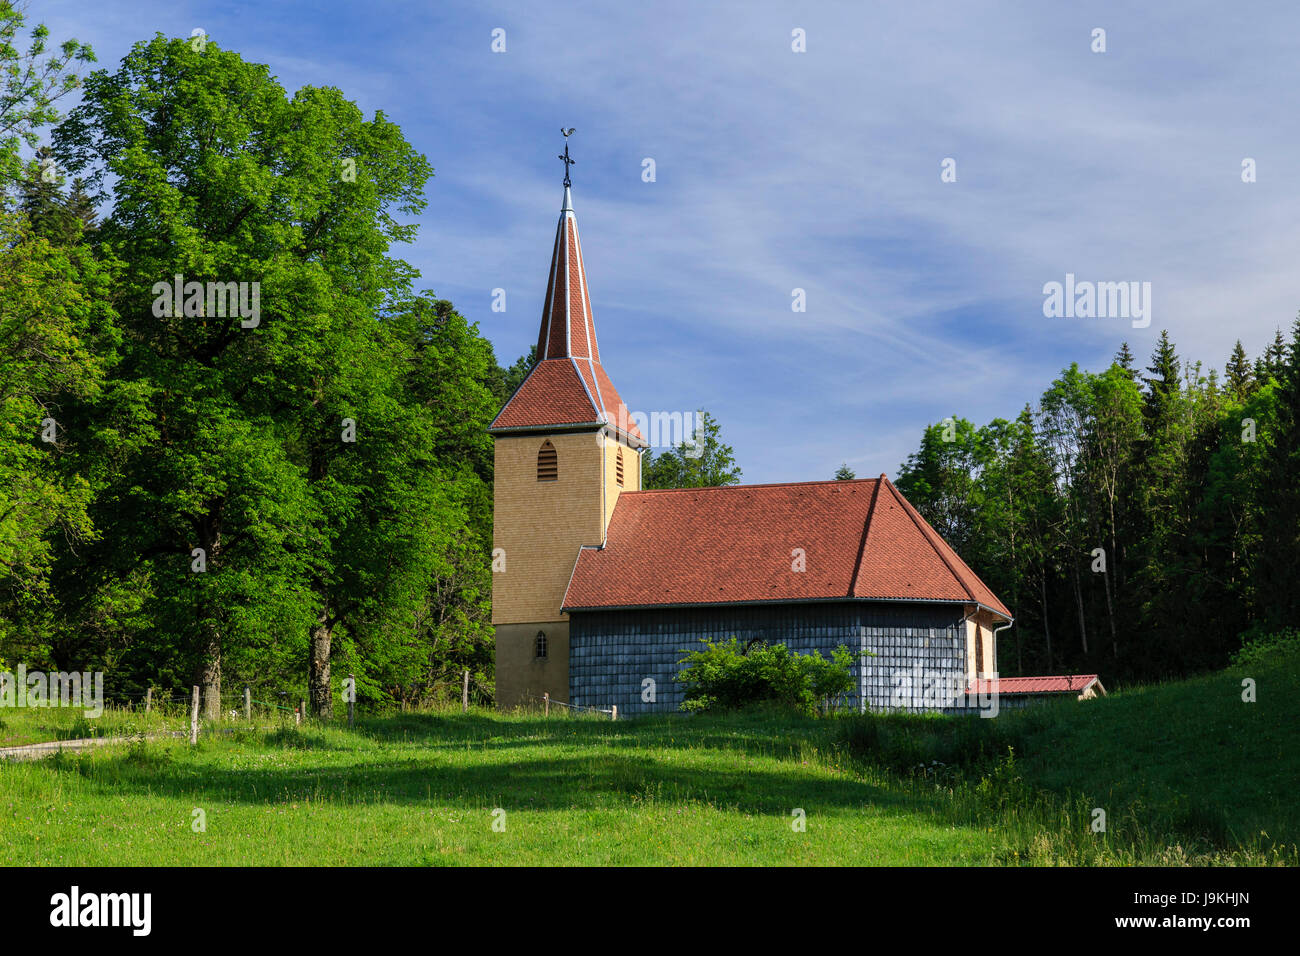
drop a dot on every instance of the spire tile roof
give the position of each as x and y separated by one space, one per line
568 386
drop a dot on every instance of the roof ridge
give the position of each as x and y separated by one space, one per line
911 513
971 571
597 410
866 530
771 484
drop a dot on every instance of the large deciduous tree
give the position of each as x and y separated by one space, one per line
218 176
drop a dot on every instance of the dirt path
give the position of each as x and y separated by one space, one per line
37 751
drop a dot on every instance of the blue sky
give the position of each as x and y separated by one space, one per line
820 170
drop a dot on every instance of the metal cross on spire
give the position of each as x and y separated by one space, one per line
567 161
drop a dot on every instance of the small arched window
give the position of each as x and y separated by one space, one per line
618 468
548 463
540 646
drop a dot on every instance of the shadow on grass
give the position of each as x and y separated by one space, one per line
493 775
292 738
755 735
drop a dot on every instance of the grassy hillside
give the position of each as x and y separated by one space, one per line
1186 773
1183 769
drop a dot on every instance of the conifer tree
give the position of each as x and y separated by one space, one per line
1237 375
1280 498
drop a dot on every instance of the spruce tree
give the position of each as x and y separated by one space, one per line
1124 358
1280 499
1238 374
42 201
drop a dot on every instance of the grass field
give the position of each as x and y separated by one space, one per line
1186 772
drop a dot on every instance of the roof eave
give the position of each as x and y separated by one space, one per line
544 429
837 599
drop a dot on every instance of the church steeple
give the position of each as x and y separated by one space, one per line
564 451
568 388
568 329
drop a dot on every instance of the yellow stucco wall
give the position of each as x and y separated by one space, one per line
631 475
541 526
983 622
521 677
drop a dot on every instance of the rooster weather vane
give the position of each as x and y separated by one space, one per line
567 161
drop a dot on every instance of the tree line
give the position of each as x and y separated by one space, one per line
1139 522
190 495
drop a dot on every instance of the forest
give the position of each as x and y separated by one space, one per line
189 498
1141 522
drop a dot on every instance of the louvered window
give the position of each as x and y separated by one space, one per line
548 464
618 468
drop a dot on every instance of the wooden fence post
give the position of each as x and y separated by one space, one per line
194 717
248 702
148 700
352 698
613 712
464 695
546 704
301 712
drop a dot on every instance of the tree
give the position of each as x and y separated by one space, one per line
702 461
1034 511
32 81
1188 489
62 220
1112 434
1066 410
1237 375
514 376
236 507
57 335
845 473
1124 358
1279 498
940 480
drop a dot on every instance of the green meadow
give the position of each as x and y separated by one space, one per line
1186 773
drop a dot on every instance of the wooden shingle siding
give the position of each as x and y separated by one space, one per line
613 652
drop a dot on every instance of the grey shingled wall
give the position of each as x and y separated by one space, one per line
613 652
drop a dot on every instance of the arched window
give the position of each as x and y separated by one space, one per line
540 646
618 467
548 463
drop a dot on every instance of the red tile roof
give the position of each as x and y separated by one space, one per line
860 539
569 386
1069 683
568 328
553 394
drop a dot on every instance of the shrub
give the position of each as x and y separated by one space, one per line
726 676
1259 642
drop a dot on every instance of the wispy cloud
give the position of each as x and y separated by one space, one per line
820 170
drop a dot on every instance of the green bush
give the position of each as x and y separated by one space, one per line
726 676
1260 642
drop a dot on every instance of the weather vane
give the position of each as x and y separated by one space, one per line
567 162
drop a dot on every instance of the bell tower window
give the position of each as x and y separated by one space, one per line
548 463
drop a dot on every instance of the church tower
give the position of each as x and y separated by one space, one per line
565 448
